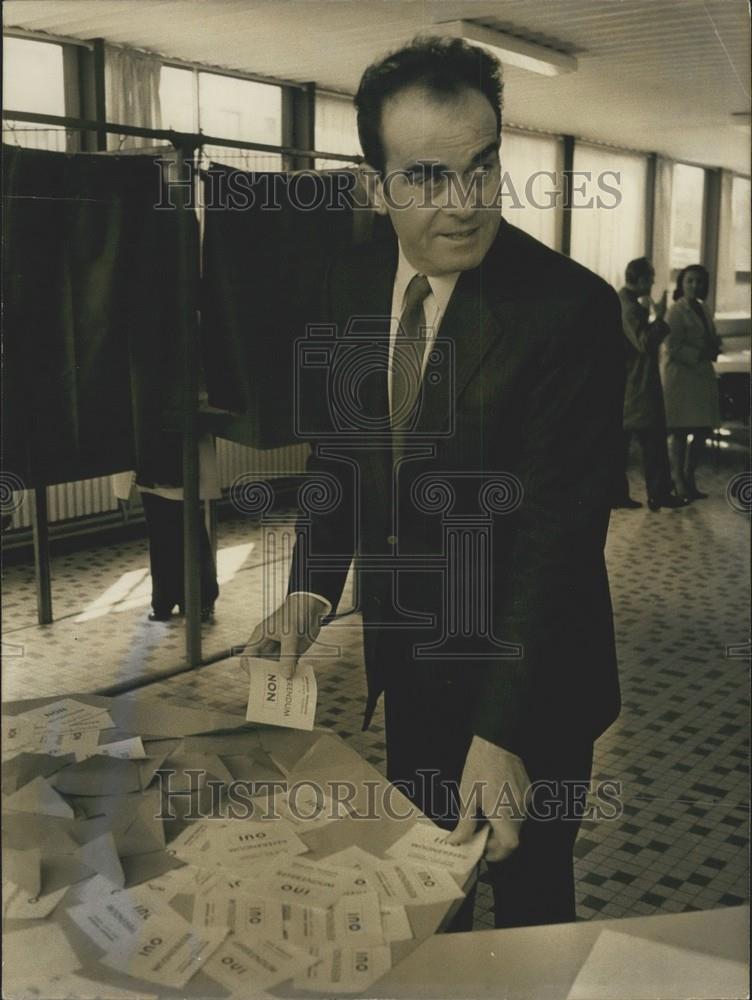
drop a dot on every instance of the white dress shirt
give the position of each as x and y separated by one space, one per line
434 307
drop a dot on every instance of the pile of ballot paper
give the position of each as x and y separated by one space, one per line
98 887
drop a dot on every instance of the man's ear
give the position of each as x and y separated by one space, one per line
374 185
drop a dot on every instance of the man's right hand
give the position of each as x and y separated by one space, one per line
661 305
288 632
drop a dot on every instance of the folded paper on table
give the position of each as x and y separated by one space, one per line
140 936
165 954
346 970
26 766
351 922
244 915
276 699
306 807
240 963
237 844
21 951
75 987
101 856
396 923
140 868
289 749
403 883
98 776
620 965
224 744
38 797
427 844
131 748
141 713
295 880
19 905
24 868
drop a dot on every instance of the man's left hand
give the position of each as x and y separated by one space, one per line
494 782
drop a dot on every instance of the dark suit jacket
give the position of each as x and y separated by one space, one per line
643 395
524 389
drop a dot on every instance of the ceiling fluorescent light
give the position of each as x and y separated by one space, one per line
509 49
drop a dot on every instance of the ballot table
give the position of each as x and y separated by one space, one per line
702 954
319 758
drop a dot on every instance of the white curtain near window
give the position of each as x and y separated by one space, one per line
664 184
531 177
336 129
132 94
733 282
608 213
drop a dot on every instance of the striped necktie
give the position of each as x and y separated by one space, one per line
407 361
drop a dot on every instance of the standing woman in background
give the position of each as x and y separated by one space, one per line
690 388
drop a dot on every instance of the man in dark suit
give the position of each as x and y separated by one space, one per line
644 413
464 459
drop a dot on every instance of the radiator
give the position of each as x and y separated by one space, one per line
66 501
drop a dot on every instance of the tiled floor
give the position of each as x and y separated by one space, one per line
680 748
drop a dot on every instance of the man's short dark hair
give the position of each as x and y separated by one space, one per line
639 268
441 65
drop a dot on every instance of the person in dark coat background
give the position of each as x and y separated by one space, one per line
644 414
689 380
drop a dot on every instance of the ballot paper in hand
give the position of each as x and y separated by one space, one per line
427 844
275 699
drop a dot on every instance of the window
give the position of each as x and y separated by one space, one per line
608 210
687 203
177 98
531 169
33 80
336 129
231 108
733 284
227 107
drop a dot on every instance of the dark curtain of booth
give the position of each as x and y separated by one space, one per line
90 319
267 241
